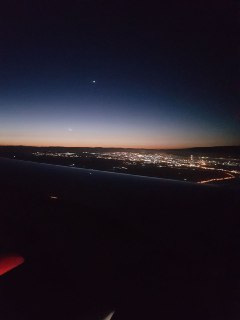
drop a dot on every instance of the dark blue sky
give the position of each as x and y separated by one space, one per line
165 75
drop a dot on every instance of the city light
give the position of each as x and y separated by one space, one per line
219 168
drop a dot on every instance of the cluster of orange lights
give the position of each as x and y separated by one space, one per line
218 179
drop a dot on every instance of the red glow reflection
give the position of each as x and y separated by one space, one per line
9 262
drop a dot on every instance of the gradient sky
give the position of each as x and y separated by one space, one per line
165 75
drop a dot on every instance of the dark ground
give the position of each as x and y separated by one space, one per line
147 248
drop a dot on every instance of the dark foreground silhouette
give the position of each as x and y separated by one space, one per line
94 242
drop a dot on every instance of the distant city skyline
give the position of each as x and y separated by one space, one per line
201 165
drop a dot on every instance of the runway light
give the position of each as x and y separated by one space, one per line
9 262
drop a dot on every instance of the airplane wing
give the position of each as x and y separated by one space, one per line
96 241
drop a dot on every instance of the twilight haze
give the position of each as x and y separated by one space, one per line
119 74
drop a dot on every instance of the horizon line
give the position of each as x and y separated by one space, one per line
137 148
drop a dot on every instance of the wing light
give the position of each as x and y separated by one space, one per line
109 317
9 262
